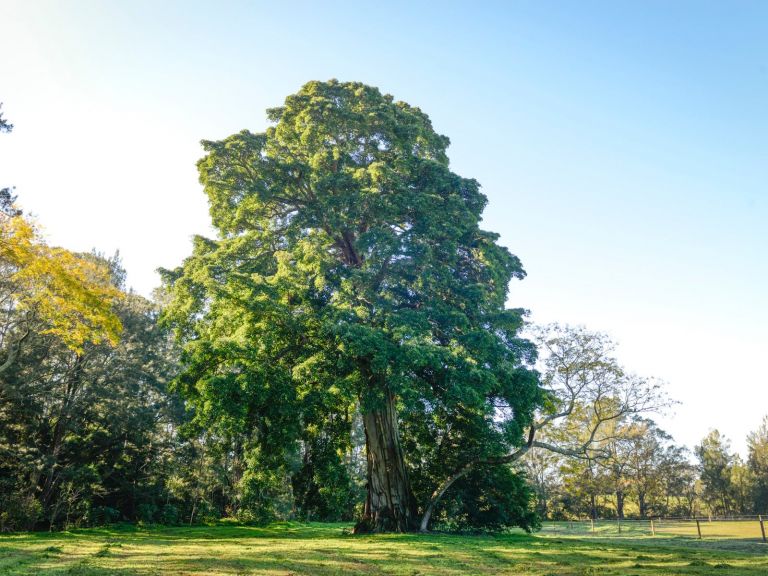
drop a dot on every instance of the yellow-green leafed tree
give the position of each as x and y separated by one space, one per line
61 293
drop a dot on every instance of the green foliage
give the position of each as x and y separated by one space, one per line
146 513
594 448
265 494
715 467
5 126
18 511
168 515
646 475
757 461
85 430
102 516
7 203
324 489
490 498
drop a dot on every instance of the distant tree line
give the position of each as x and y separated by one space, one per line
644 474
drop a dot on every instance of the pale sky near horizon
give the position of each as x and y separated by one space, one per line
623 147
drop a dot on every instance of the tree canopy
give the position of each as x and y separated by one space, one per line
71 295
5 126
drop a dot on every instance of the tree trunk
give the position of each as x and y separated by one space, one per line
60 428
390 505
620 504
438 494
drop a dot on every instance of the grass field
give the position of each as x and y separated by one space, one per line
325 549
742 529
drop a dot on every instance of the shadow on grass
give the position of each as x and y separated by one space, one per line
294 530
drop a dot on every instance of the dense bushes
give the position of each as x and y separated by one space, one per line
488 499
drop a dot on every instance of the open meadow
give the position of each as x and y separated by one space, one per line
328 549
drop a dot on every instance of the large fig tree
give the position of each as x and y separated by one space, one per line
350 272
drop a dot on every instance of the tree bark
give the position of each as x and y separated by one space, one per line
620 504
60 428
390 505
438 494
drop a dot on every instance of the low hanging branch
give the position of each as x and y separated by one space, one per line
587 392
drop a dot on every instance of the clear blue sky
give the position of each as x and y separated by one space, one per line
623 147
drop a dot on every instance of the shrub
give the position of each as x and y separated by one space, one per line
169 515
19 512
146 513
489 499
102 516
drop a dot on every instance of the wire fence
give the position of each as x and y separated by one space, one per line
742 527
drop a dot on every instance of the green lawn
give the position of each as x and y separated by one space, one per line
324 549
718 530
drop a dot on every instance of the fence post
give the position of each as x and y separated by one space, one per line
618 521
698 528
762 527
592 522
653 530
